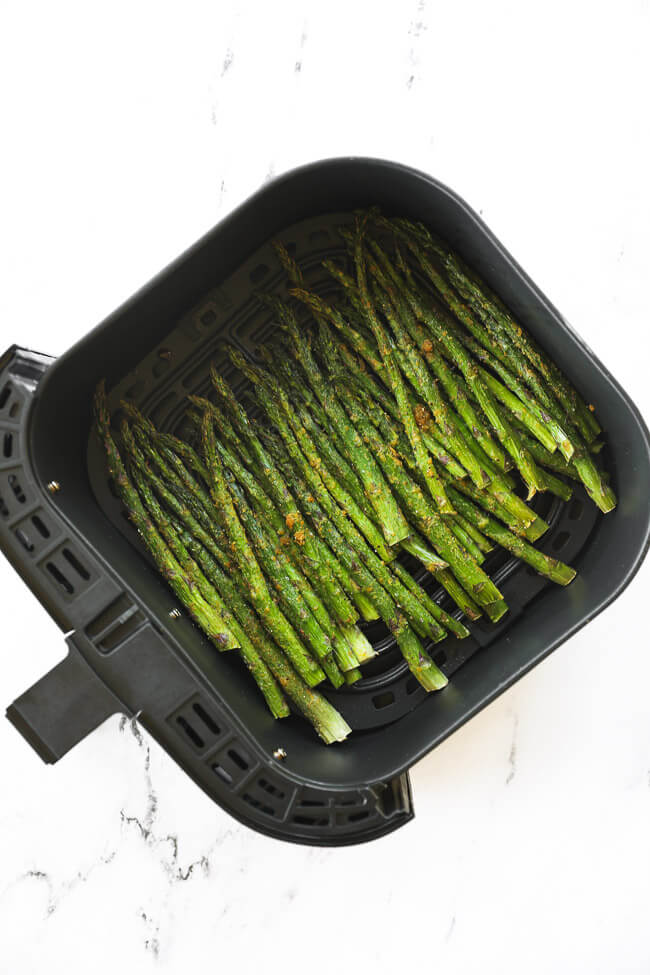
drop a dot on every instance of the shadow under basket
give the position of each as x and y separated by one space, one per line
131 651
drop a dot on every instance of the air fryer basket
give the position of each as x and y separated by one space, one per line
129 651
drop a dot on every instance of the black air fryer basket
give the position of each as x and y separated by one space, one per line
129 649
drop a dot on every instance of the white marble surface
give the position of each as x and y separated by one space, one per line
128 130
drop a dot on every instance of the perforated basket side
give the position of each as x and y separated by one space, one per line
119 662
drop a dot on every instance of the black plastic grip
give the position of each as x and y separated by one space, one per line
120 661
64 706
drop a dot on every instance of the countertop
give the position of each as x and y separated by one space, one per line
128 131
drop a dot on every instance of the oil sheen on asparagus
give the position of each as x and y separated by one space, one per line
402 425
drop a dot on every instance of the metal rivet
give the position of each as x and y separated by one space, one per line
164 354
279 754
175 613
53 487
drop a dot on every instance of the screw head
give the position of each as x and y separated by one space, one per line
279 754
53 487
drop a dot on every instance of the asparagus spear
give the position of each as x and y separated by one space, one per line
350 644
386 275
551 568
457 353
420 378
391 519
419 662
532 532
596 487
427 521
498 486
550 461
305 459
415 545
290 597
418 375
449 623
181 543
316 709
495 314
274 621
322 559
183 585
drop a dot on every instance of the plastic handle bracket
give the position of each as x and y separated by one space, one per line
61 708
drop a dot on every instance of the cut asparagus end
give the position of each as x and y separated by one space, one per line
494 611
605 498
361 645
344 652
560 572
536 529
430 677
330 725
352 676
458 629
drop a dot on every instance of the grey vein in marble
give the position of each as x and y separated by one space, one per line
227 61
512 756
450 930
416 28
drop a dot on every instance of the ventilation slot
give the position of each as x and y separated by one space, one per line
233 766
8 444
440 658
311 803
114 614
412 685
560 541
238 759
58 576
223 773
258 804
4 395
121 633
357 817
114 624
14 484
575 509
24 540
193 735
271 789
72 560
40 527
4 510
383 700
206 718
344 819
26 370
15 410
311 820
